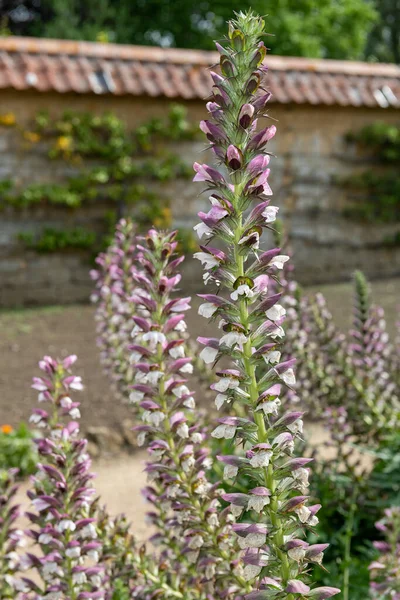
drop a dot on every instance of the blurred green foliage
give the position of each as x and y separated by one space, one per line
317 28
383 139
375 193
121 590
17 449
377 489
383 43
54 240
108 164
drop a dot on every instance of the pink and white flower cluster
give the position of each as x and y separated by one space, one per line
385 571
114 286
185 504
61 495
11 537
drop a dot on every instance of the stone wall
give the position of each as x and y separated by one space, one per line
311 158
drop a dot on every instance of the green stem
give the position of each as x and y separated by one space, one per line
262 435
174 452
347 547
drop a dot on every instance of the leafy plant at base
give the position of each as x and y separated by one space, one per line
17 449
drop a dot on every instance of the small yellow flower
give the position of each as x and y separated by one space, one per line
64 142
32 137
8 119
103 37
166 215
6 429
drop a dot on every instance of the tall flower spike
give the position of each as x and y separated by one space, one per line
385 571
184 502
114 286
11 538
62 496
274 513
346 372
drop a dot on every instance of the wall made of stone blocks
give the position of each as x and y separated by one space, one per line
312 157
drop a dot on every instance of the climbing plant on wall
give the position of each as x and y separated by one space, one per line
106 164
375 193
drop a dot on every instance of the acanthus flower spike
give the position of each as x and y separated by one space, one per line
184 503
61 497
251 322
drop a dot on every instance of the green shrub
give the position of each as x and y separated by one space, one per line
17 449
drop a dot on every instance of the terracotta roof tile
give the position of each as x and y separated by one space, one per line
91 68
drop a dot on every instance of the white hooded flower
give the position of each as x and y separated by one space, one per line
257 503
154 417
202 230
135 357
89 531
181 326
224 431
261 459
277 332
207 309
279 261
232 338
196 541
226 383
251 571
152 377
296 427
253 540
271 407
13 559
65 525
230 471
183 430
135 396
242 290
208 354
188 463
297 554
66 402
220 400
75 413
154 338
45 538
276 312
270 213
188 368
189 402
207 260
272 357
180 390
73 552
177 351
79 577
303 513
289 377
